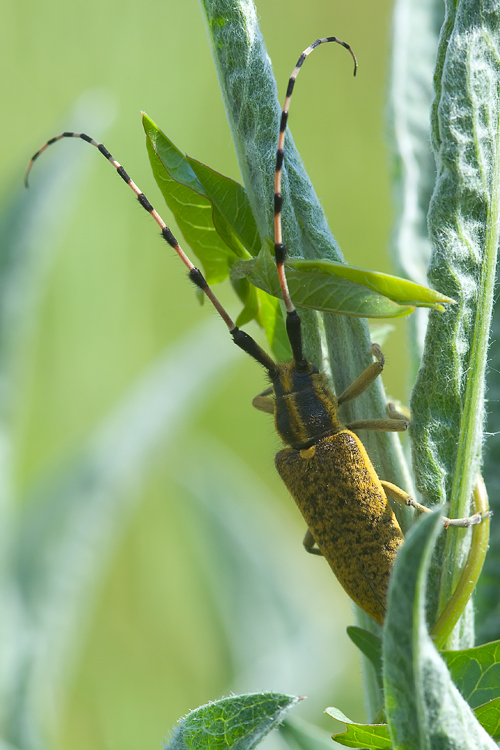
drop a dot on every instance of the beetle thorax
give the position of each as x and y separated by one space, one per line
305 408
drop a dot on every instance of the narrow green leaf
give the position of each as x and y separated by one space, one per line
369 736
476 672
215 217
399 290
371 646
424 708
318 291
233 217
193 212
212 211
263 308
239 722
270 318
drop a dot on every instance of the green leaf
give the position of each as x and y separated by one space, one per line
464 223
489 717
266 311
199 199
371 646
423 706
318 291
399 290
239 722
369 736
215 217
270 318
233 217
476 672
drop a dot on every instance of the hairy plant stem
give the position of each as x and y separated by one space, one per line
340 345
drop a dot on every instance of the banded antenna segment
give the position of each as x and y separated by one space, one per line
240 338
293 321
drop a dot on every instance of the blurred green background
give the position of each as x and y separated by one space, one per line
183 609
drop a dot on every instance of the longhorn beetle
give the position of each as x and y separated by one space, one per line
324 466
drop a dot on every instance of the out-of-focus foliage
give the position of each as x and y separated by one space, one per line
97 299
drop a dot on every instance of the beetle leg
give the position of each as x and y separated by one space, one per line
309 543
399 412
394 424
366 378
396 493
263 402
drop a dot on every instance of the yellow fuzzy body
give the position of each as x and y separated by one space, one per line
342 501
331 478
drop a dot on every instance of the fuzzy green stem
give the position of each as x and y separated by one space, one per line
249 93
448 400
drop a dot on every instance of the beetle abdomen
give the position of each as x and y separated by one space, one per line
340 496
